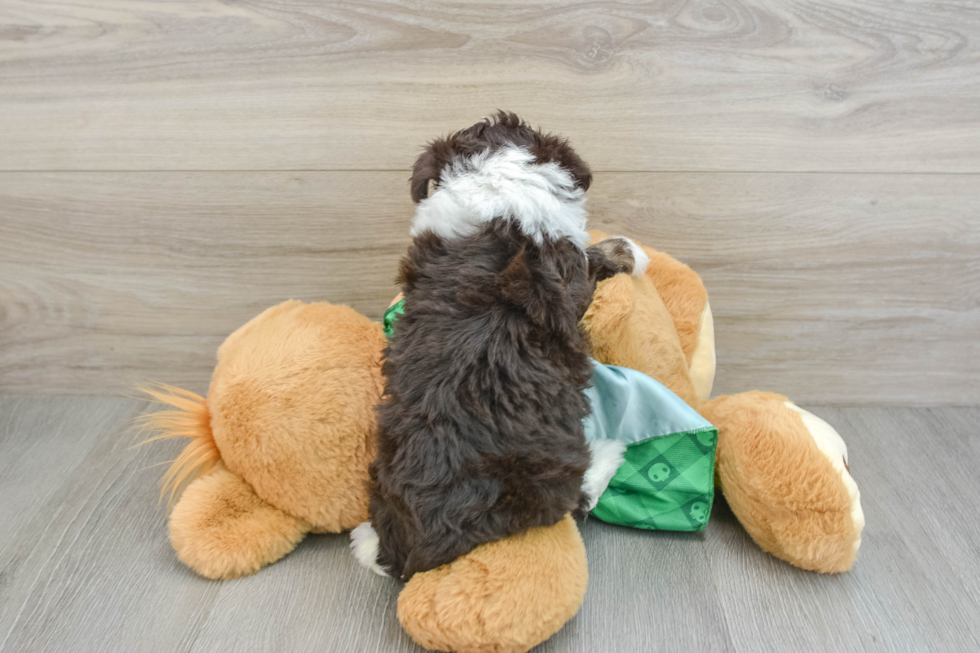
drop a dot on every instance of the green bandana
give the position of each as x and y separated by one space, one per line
667 480
391 316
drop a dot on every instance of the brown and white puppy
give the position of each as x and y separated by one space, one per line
480 431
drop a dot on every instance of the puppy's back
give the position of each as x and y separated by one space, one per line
480 434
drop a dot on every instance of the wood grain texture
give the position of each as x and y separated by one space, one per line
85 564
647 592
836 85
914 586
829 288
109 280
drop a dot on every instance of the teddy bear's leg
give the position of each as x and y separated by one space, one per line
502 597
686 301
221 529
702 359
784 473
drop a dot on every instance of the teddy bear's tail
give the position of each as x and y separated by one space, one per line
189 419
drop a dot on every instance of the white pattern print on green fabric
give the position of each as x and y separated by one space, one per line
666 481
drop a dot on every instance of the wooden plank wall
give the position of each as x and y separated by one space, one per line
169 169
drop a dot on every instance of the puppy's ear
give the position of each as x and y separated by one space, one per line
549 147
517 285
579 169
428 167
527 283
533 283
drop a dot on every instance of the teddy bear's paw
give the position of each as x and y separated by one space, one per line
832 445
502 597
221 529
784 474
364 544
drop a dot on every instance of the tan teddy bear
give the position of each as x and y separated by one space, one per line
281 446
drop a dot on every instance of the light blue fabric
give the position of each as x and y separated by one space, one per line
630 406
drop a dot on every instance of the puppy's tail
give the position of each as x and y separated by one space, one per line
189 419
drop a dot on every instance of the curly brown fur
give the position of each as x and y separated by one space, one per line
480 432
619 253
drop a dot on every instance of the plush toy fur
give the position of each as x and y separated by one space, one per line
282 443
782 470
509 595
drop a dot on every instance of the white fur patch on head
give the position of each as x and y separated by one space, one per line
607 456
540 197
364 545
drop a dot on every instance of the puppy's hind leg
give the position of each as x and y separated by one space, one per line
383 544
607 456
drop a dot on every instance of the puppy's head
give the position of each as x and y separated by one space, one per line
487 137
500 168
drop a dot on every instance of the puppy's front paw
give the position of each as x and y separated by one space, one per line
364 544
607 456
626 255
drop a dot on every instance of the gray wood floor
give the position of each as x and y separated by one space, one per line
85 564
